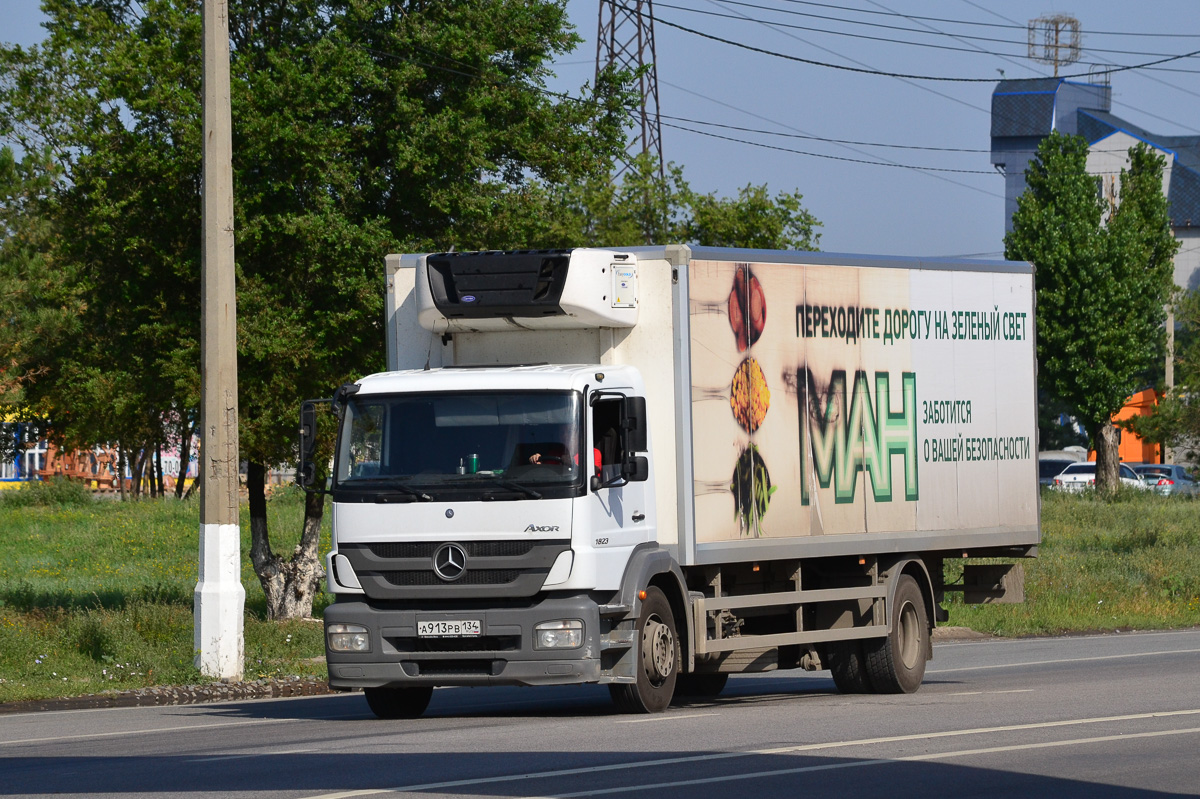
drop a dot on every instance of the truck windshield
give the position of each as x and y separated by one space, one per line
495 444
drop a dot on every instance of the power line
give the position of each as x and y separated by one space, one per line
1022 43
569 98
847 34
922 87
887 74
935 176
829 157
822 138
1012 24
1142 74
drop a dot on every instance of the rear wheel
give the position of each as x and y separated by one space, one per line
658 659
847 664
398 703
896 664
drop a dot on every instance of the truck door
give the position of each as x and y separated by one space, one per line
618 511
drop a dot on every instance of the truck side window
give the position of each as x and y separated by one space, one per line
606 435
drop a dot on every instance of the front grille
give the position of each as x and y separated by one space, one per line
470 577
481 643
475 549
393 570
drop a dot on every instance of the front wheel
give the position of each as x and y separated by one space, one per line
398 703
658 658
896 664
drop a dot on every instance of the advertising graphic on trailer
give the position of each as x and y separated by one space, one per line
849 399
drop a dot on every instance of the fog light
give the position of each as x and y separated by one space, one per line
560 634
348 638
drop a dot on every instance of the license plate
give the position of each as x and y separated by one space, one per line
453 628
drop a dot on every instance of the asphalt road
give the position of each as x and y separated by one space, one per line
1094 716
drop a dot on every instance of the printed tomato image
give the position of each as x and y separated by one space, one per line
747 307
749 396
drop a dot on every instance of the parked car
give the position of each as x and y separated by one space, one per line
1081 476
1052 462
1166 478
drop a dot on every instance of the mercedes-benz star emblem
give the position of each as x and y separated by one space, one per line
450 562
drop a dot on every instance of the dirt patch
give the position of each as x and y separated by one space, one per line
958 634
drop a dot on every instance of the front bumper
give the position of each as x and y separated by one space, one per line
502 655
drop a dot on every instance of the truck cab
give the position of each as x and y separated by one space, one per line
481 518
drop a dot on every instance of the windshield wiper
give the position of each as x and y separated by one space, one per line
412 492
392 493
510 485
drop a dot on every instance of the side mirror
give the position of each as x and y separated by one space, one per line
635 424
636 469
306 474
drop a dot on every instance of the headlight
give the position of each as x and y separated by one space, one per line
560 634
348 638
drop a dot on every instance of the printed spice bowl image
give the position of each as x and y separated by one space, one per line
749 396
752 490
747 307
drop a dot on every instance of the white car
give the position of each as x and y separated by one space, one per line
1081 476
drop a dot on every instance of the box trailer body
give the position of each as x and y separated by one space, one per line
763 459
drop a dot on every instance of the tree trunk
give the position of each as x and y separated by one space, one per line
289 585
151 477
1108 475
121 469
135 473
195 486
185 454
158 470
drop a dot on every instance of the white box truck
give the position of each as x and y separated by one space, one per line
651 467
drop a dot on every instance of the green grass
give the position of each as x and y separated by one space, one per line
1132 562
98 595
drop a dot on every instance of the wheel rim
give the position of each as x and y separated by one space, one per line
909 636
658 650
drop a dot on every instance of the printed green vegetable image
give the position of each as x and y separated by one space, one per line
752 490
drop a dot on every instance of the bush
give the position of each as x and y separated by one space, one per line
58 492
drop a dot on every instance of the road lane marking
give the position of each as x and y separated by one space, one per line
244 755
861 763
796 749
1063 660
982 693
669 717
1099 636
152 731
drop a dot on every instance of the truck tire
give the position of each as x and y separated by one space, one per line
398 703
896 664
847 665
700 684
658 658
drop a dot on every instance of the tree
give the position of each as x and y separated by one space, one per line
1103 277
359 128
646 207
1176 419
753 219
38 306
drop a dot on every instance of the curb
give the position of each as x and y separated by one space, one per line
176 695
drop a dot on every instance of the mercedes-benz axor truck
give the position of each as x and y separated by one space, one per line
653 467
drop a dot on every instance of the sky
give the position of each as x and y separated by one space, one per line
781 113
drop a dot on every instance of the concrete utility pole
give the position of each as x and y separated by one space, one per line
219 598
